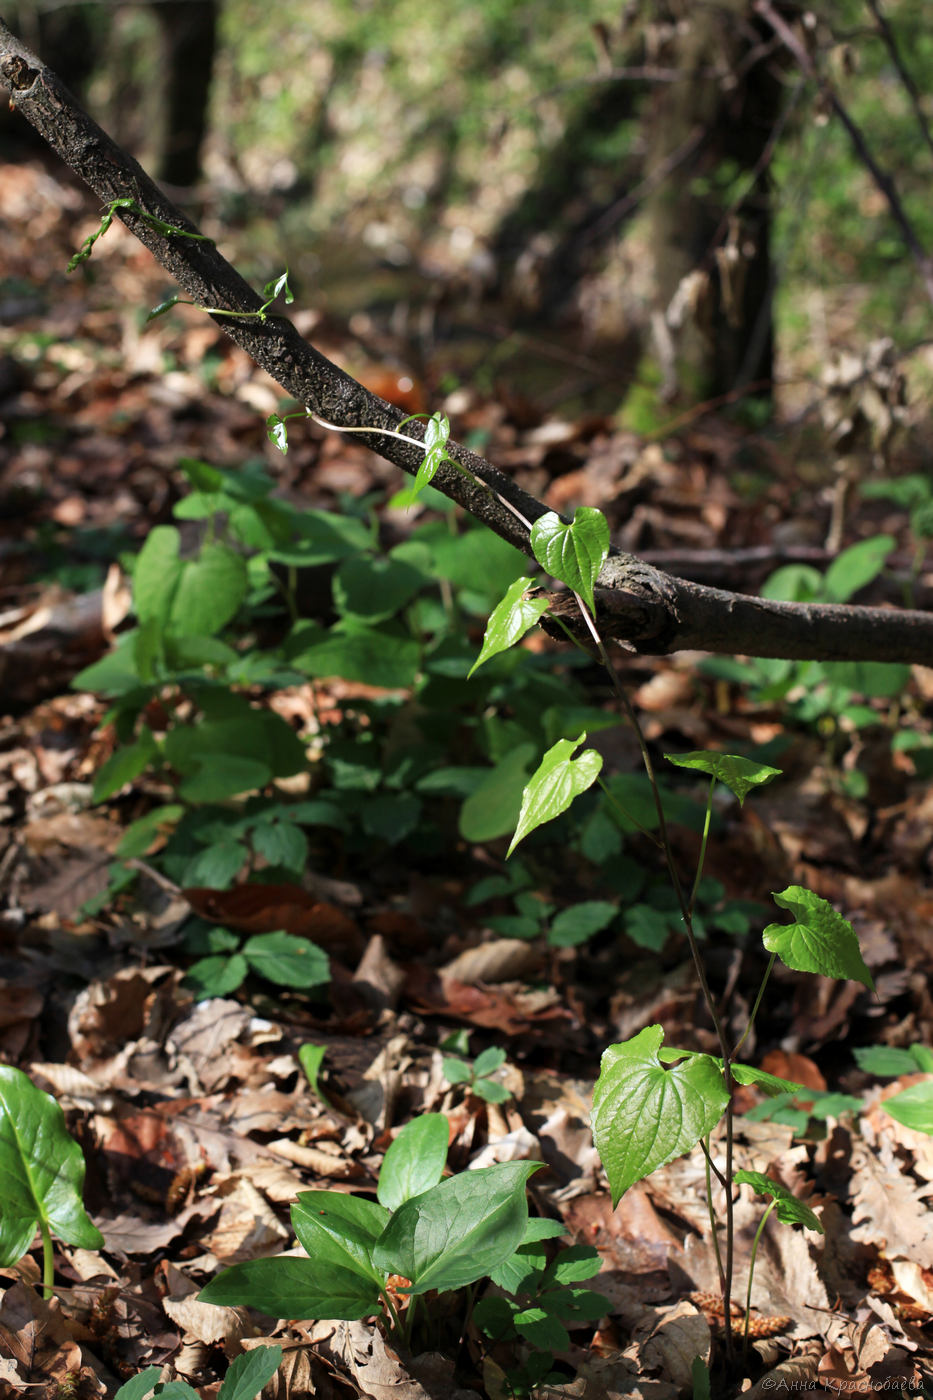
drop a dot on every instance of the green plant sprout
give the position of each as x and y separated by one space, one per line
477 1077
645 1114
282 958
126 202
435 1235
270 291
245 1378
311 1058
788 1209
41 1176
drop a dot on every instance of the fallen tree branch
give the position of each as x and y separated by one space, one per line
641 606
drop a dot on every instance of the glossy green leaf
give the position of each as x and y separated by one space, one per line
458 1231
739 774
510 620
294 1288
334 1228
41 1171
289 961
819 940
277 432
558 780
249 1372
645 1115
788 1209
913 1107
414 1160
573 553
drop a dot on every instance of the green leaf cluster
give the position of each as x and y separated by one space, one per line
436 1234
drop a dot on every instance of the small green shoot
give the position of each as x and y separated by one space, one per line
245 1378
126 202
477 1077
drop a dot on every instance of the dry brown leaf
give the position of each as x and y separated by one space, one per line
682 1335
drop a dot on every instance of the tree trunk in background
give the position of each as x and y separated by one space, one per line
189 40
712 216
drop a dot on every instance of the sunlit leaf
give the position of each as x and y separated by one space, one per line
819 940
558 780
739 774
573 553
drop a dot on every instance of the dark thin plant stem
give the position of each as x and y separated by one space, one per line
697 962
713 1222
903 72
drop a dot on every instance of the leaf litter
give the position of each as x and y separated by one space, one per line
195 1118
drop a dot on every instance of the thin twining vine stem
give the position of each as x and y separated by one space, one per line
687 914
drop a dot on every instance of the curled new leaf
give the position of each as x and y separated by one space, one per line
788 1209
738 774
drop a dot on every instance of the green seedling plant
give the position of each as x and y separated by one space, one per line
245 1378
653 1103
422 1235
41 1176
477 1078
283 959
539 1300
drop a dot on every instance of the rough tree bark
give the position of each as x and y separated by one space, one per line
648 610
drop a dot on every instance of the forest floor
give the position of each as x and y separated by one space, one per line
196 1120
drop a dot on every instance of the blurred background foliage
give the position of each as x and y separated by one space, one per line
653 186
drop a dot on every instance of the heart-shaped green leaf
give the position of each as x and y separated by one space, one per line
414 1161
510 620
645 1115
739 774
458 1231
558 780
573 553
819 940
294 1288
41 1171
788 1210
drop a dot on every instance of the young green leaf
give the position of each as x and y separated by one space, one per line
311 1057
41 1171
249 1372
739 774
578 922
889 1061
645 1115
913 1107
414 1160
287 960
124 765
558 780
573 553
788 1210
458 1231
819 940
334 1228
294 1288
277 432
510 620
